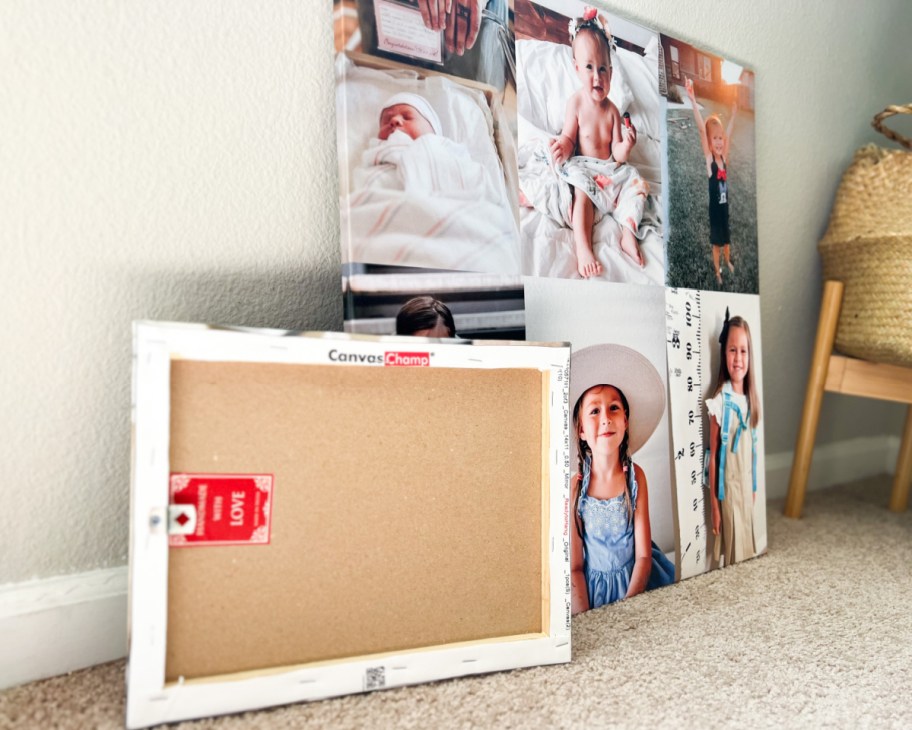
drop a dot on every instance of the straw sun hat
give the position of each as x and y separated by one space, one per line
632 374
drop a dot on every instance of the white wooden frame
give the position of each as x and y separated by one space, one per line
150 700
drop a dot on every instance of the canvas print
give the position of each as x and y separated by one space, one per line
734 444
403 301
715 364
551 170
426 152
622 518
589 138
712 200
458 549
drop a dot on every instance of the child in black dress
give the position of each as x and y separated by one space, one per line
715 140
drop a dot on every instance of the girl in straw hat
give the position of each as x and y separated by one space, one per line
619 400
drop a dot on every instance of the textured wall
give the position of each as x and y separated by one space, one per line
176 160
163 160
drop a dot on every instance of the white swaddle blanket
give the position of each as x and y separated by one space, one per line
426 202
614 189
429 165
438 202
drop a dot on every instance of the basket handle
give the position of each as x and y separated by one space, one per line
878 124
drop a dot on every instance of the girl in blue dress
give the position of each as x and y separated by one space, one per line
619 400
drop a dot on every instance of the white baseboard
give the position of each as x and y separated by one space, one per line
56 625
835 463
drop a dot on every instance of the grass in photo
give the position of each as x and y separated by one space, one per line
689 253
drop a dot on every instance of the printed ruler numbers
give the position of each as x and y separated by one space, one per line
685 379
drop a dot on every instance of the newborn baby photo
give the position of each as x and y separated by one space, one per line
422 180
410 153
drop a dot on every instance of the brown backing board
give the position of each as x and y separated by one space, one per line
407 511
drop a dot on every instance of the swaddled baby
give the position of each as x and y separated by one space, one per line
410 114
411 154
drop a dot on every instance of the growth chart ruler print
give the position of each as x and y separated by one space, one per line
683 324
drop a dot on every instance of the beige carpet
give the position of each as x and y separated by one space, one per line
818 633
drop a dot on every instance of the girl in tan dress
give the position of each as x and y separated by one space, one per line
734 413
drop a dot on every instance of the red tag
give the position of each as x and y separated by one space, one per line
407 359
231 509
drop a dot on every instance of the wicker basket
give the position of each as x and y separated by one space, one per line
868 247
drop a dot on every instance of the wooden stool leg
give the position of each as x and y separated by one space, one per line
899 497
813 399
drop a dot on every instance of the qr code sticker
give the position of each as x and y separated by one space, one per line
374 678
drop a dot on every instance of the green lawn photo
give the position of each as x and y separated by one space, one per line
689 253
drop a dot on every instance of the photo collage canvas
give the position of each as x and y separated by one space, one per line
552 171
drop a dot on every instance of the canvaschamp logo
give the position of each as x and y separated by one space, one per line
388 359
407 359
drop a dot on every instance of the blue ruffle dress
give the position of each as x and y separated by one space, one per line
608 545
